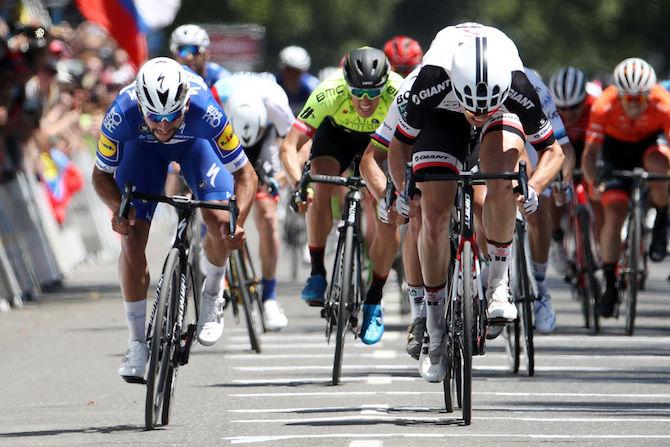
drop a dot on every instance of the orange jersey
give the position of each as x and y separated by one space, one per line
608 118
577 132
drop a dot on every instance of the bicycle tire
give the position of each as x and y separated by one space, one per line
161 352
346 299
591 290
467 343
512 345
526 306
250 313
631 271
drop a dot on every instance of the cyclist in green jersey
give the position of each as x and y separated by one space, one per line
338 118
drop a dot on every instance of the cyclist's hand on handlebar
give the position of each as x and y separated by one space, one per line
236 242
402 205
121 225
385 213
302 206
272 187
528 205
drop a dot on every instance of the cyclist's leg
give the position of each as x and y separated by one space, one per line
210 180
441 147
146 170
656 161
412 266
500 149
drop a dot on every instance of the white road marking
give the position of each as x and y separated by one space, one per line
384 354
411 367
259 439
322 368
481 393
292 380
366 443
323 345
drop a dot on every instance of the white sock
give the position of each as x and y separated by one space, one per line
499 255
136 312
435 318
417 301
213 276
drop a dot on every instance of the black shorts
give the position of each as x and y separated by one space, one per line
443 144
622 155
337 142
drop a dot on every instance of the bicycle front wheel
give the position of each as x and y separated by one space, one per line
591 292
526 317
467 341
631 270
161 369
346 300
252 314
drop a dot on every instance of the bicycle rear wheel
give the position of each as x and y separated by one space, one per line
346 300
591 290
631 270
161 369
251 313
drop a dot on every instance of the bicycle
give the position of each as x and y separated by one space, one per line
583 261
175 311
466 319
633 269
244 287
345 293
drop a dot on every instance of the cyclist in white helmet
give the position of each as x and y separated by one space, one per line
168 114
259 111
294 76
628 127
471 76
189 44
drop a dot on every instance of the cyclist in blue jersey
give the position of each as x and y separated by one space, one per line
189 44
293 77
167 115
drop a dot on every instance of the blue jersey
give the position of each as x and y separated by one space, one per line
297 99
214 72
204 119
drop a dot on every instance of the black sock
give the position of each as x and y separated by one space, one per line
661 221
374 295
316 256
557 235
610 274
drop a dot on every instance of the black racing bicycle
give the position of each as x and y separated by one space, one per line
175 311
633 269
466 319
345 293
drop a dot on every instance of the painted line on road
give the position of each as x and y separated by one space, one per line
272 438
293 380
480 393
323 345
377 354
366 443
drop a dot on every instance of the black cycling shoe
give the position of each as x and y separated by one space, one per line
658 249
607 302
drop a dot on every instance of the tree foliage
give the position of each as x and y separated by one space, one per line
591 34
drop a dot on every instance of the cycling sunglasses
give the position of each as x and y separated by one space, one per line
638 99
188 50
569 108
371 93
169 117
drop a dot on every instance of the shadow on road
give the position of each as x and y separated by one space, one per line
112 429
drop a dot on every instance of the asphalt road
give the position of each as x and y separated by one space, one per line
60 387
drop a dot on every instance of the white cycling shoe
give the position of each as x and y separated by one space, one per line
210 324
134 362
545 317
558 258
273 316
432 363
500 304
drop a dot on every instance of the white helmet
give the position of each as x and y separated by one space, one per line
294 57
162 86
568 87
480 73
634 76
189 35
246 112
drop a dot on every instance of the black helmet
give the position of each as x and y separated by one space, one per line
366 67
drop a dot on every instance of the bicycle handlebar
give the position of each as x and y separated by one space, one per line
478 178
180 202
638 173
300 192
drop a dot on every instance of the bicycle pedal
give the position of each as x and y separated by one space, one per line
498 321
187 338
135 380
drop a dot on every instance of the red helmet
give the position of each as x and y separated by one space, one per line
404 53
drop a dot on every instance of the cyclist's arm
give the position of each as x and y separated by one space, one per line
595 135
569 163
106 188
592 150
398 157
548 166
246 183
289 154
374 176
